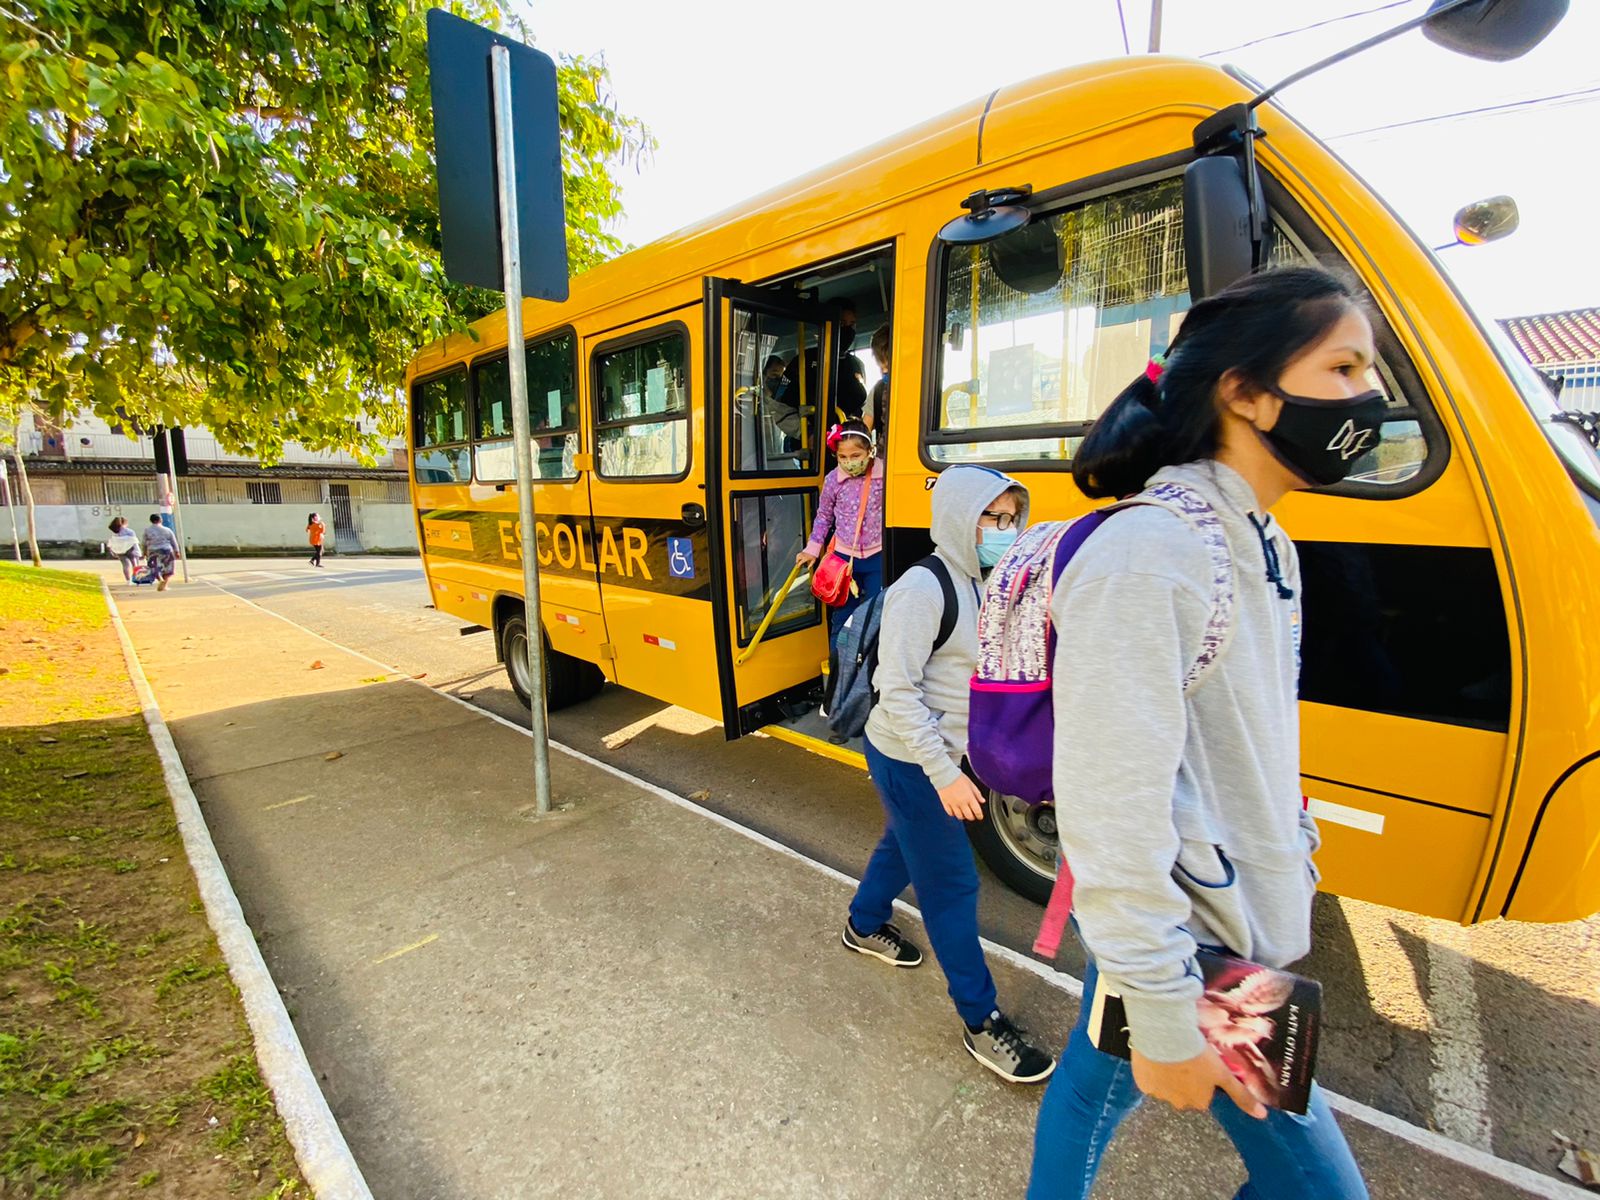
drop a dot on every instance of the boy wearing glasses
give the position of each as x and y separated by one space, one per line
916 737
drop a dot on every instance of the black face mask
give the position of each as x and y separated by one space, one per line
1320 440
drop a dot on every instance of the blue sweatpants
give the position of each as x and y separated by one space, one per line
1288 1157
926 847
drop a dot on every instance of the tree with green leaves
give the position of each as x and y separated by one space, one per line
224 213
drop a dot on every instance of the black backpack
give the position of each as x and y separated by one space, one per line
853 657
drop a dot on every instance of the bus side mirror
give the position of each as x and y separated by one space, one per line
1487 221
1497 30
1216 225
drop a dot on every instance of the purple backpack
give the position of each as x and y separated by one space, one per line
1011 720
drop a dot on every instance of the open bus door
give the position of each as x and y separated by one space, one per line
770 367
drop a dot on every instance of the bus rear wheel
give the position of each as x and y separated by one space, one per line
567 680
1017 841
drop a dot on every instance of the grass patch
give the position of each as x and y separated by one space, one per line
125 1061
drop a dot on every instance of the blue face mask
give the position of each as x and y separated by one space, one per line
994 544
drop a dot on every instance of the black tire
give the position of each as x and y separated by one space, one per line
567 680
1014 839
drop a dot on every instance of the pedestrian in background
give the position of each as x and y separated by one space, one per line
315 530
1181 817
161 551
123 545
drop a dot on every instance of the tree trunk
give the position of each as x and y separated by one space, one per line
27 493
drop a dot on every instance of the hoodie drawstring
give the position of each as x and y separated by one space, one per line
1269 549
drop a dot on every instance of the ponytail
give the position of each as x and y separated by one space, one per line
1126 446
1169 415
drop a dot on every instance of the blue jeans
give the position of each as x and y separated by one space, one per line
1288 1157
868 575
926 847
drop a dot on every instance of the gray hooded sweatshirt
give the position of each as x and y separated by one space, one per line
921 714
1180 814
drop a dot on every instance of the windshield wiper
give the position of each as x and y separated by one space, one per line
1588 423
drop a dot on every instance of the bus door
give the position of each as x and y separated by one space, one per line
648 537
771 365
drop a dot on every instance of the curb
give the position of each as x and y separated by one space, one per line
324 1158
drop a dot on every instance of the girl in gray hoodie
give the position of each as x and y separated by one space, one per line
1179 807
916 737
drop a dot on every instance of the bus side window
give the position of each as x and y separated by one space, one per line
440 432
1040 330
774 399
642 397
552 411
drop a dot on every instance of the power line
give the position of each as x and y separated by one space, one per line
1580 96
1272 37
1122 20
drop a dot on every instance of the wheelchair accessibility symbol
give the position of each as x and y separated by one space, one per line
680 557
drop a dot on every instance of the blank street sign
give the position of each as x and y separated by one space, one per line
463 134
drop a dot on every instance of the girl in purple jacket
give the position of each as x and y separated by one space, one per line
857 480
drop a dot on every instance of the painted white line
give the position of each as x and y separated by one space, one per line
1513 1174
1460 1079
324 1157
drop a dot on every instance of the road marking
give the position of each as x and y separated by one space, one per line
394 954
1485 1162
286 803
1460 1080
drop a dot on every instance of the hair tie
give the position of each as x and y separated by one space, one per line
1156 367
835 436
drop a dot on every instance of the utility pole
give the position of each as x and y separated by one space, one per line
521 429
1155 26
176 509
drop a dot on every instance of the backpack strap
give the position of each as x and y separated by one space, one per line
1197 513
952 607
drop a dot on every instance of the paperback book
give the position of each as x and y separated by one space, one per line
1264 1023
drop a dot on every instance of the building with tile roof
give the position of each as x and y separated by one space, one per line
1564 346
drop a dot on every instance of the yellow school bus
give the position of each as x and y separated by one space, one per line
1451 692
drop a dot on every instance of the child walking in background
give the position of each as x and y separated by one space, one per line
314 533
851 510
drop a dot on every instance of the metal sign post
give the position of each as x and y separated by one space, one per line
497 151
177 509
5 492
517 360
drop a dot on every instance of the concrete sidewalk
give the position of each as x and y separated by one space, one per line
625 999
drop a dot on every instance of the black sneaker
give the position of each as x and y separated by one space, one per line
1001 1047
887 944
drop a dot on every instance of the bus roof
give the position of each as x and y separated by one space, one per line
1009 121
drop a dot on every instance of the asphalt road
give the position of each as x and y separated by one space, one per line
1489 1034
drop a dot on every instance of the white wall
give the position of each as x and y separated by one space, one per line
220 528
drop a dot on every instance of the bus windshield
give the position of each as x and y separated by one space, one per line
1570 442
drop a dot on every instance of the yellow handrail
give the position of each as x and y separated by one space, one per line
772 611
